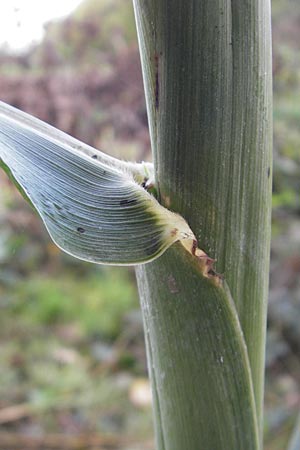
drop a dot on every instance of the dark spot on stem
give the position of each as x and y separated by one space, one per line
268 172
156 91
156 65
144 183
149 187
80 230
194 247
128 202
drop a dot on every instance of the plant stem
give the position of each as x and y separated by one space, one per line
198 363
294 443
207 75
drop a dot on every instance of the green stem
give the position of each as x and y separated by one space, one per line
198 363
207 74
294 443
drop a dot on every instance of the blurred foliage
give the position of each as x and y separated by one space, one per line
96 31
47 301
87 66
71 336
283 343
286 63
72 350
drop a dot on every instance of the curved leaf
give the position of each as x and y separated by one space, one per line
91 204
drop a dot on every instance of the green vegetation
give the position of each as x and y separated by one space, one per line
68 352
48 301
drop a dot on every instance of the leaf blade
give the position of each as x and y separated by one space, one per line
92 207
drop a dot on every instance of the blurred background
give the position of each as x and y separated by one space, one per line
72 358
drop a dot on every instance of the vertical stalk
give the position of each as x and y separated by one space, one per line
207 75
294 443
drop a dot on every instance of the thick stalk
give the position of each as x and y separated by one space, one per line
294 443
207 75
198 363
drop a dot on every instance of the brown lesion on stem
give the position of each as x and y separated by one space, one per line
206 263
149 186
156 72
174 232
179 230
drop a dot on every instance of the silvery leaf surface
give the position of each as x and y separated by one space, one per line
94 206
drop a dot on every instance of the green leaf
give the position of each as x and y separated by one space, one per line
93 206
